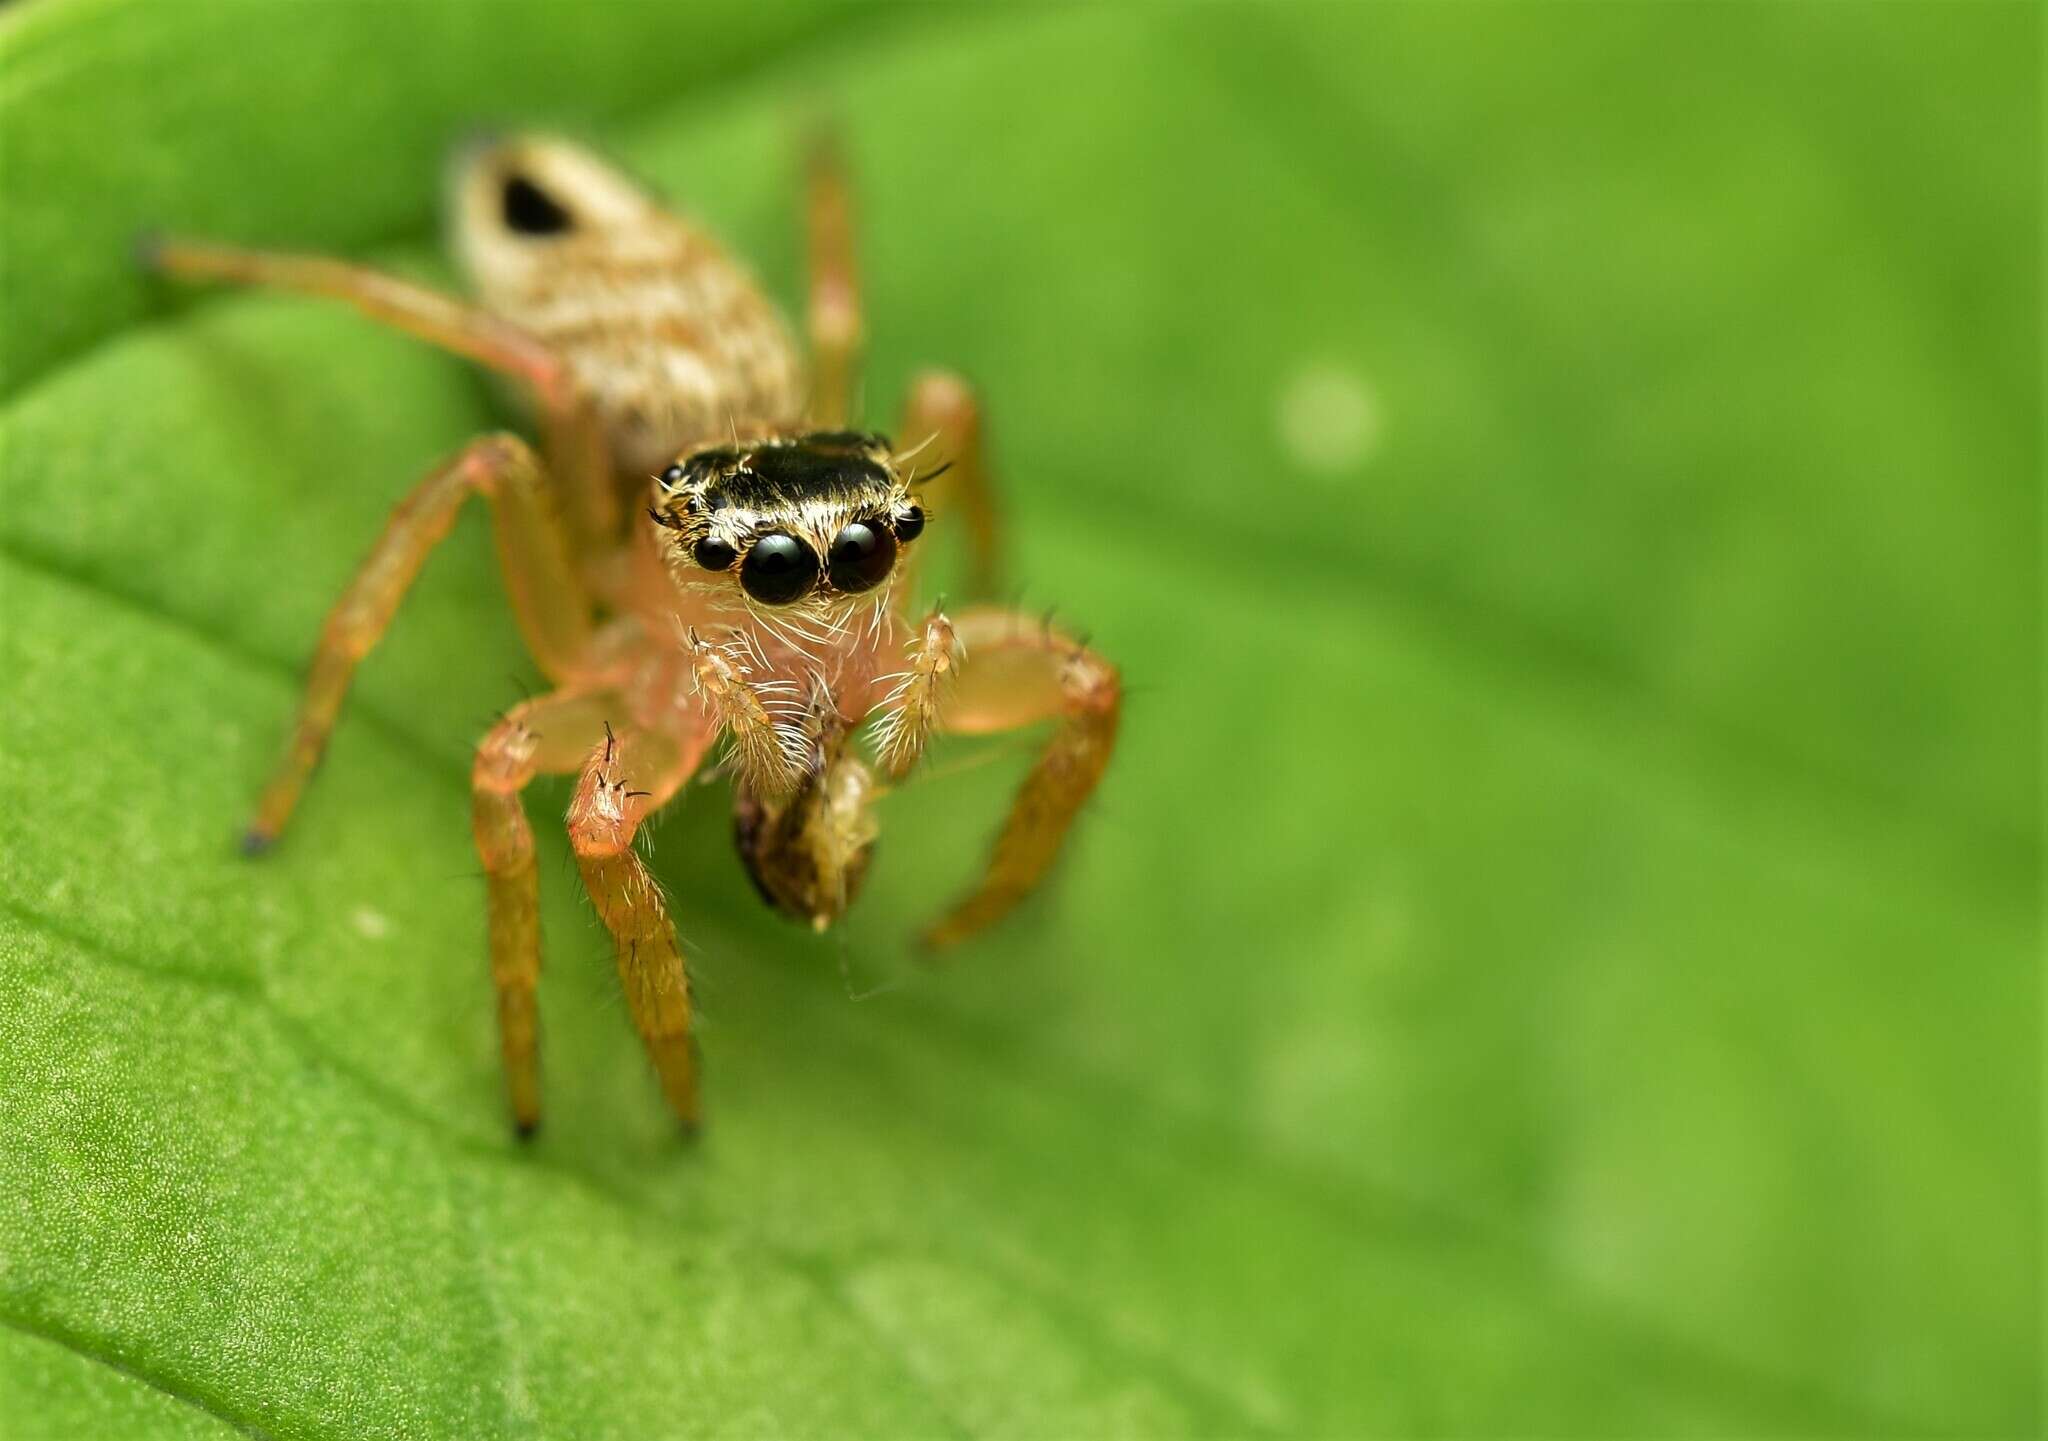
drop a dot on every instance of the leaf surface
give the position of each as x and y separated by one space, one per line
1555 955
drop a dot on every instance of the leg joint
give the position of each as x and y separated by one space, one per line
491 458
1090 683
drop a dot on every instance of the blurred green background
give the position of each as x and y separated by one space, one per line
1556 955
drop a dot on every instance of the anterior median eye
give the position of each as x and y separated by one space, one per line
862 554
778 569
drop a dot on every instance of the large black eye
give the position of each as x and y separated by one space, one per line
713 554
910 524
778 569
861 556
530 210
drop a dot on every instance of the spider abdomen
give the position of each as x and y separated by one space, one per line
671 337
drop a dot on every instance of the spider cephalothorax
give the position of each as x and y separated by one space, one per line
758 591
789 547
801 520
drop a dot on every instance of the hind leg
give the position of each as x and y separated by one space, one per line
941 437
577 449
834 311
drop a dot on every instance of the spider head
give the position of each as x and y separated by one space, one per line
806 520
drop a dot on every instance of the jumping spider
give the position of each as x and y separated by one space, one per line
703 554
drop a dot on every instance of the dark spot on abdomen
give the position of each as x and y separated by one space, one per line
530 210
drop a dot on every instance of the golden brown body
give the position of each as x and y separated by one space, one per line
669 336
691 564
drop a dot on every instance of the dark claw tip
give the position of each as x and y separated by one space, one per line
257 842
693 1131
524 1130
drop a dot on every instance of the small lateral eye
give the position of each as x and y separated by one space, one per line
910 524
714 554
862 554
672 476
778 568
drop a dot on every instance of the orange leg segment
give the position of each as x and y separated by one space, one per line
553 611
625 778
576 442
942 431
835 309
549 735
1019 670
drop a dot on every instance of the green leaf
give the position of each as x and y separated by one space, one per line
1556 954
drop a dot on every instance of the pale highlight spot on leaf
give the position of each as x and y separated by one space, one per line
1329 418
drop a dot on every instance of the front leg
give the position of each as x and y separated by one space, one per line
552 607
627 778
549 735
1020 671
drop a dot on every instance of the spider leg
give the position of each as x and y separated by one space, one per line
1020 670
553 610
942 425
627 777
835 303
576 441
550 734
